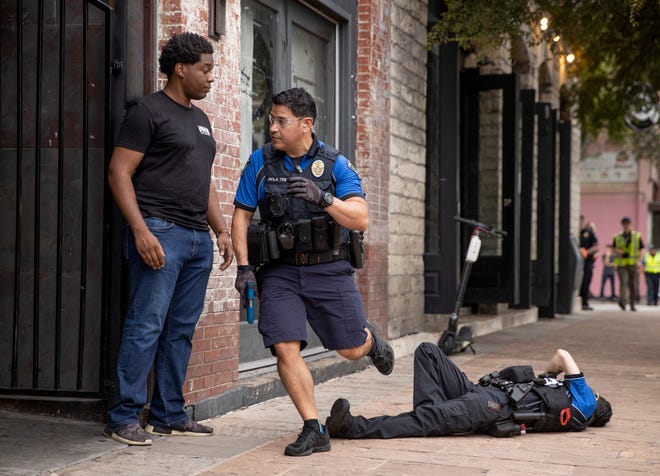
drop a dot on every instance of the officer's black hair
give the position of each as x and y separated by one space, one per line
298 100
186 48
602 414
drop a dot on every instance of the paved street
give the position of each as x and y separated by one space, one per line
618 352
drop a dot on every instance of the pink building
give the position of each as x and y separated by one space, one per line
613 185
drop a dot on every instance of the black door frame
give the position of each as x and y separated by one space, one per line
493 279
441 259
543 268
528 111
570 264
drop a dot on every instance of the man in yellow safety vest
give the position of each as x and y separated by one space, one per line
652 271
627 246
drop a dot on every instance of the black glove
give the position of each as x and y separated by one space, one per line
244 274
301 187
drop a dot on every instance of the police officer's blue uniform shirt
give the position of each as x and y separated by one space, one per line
248 194
582 396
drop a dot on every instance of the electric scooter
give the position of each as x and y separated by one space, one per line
451 342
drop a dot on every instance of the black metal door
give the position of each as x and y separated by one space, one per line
490 178
58 297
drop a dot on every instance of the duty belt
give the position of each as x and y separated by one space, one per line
304 259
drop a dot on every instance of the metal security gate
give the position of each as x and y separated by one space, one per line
59 288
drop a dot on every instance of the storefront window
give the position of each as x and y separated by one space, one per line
312 61
285 44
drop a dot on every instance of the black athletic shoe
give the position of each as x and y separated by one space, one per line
310 440
622 306
187 428
340 419
381 352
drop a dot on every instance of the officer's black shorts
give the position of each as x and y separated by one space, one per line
323 294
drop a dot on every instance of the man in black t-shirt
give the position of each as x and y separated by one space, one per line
160 176
589 248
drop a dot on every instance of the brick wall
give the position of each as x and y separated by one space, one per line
407 170
214 361
373 148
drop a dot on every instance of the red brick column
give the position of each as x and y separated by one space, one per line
372 149
213 366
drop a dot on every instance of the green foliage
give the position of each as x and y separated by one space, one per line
483 23
616 43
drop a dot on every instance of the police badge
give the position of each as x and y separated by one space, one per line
318 167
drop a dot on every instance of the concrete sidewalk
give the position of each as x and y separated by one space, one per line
618 351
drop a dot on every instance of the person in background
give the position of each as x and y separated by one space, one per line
589 248
651 263
627 246
608 273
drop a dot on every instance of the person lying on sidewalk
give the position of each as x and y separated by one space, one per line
504 403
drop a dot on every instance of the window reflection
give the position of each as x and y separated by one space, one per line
311 62
257 52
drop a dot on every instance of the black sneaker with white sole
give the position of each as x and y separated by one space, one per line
381 352
131 434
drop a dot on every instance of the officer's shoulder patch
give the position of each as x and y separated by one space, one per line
247 164
352 167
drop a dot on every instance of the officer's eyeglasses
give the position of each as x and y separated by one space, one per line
282 122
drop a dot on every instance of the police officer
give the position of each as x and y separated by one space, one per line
652 271
627 246
309 197
446 403
589 247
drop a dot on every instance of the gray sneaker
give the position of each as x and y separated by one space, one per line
381 352
131 434
186 428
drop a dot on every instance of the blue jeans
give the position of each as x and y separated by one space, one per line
164 308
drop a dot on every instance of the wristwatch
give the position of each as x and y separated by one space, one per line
327 200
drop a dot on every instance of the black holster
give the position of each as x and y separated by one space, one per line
356 249
257 241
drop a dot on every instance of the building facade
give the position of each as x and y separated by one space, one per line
434 134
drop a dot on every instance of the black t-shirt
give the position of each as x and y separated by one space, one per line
174 177
587 240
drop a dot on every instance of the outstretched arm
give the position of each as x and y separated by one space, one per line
562 361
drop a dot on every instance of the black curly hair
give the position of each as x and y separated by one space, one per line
602 414
186 48
298 100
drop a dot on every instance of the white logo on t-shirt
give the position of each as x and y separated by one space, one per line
204 130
